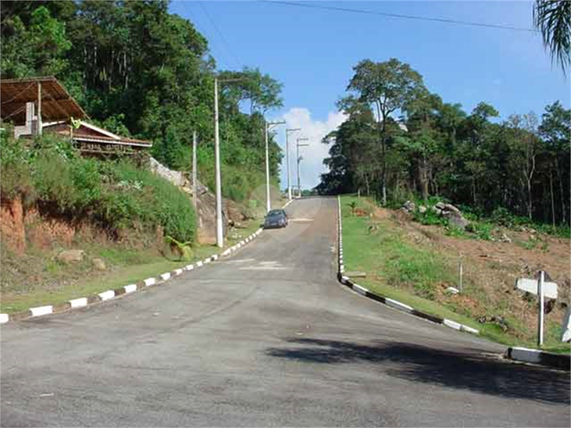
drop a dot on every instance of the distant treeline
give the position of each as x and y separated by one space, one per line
436 149
139 70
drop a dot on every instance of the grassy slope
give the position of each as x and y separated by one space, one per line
125 266
409 273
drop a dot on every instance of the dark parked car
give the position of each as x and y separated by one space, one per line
276 218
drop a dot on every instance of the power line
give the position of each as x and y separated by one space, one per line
222 57
396 15
238 62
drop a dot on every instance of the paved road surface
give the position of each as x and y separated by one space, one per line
266 337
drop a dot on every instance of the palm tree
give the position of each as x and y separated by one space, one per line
553 19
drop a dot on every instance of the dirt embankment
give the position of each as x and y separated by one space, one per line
21 228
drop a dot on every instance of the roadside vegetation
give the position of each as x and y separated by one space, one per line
150 78
415 264
114 195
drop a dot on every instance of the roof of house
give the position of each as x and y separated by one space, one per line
57 104
105 137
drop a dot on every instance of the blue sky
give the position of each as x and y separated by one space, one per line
312 52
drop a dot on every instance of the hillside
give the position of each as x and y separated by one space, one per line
415 263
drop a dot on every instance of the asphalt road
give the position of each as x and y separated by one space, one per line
266 337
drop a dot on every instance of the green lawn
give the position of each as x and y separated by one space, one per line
126 266
411 273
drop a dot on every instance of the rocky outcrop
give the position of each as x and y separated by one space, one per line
70 256
452 213
232 213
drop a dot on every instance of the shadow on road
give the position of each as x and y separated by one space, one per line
475 372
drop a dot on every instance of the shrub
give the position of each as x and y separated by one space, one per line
116 195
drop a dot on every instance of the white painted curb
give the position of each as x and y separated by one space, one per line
452 324
189 267
398 305
41 310
525 354
165 276
198 264
177 271
149 281
78 303
131 288
106 295
4 318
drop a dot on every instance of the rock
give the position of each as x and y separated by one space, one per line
505 238
440 206
458 221
99 264
422 209
452 290
409 206
71 256
451 208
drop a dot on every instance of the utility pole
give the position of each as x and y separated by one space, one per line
268 196
219 231
297 146
194 173
219 227
287 160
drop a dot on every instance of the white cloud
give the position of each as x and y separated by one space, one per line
311 166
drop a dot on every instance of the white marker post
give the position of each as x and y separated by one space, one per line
542 289
541 310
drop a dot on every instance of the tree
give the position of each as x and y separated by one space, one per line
37 48
553 19
555 131
388 86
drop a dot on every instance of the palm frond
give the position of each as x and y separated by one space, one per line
553 19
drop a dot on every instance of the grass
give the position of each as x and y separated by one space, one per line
413 274
125 266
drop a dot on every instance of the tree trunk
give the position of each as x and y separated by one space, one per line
529 200
561 193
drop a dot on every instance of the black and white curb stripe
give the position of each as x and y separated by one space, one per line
345 280
127 289
535 356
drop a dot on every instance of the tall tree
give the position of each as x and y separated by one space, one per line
388 86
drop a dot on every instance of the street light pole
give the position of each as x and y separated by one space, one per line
297 146
268 196
219 231
287 160
219 226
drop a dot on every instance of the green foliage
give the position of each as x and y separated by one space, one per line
500 170
141 71
482 230
352 205
117 195
430 217
184 248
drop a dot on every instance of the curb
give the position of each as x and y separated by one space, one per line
83 302
345 280
535 356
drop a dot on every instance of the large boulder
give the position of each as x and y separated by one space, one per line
408 207
458 221
71 256
452 213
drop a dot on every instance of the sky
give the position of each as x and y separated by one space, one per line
312 52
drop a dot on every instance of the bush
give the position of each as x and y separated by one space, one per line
115 195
